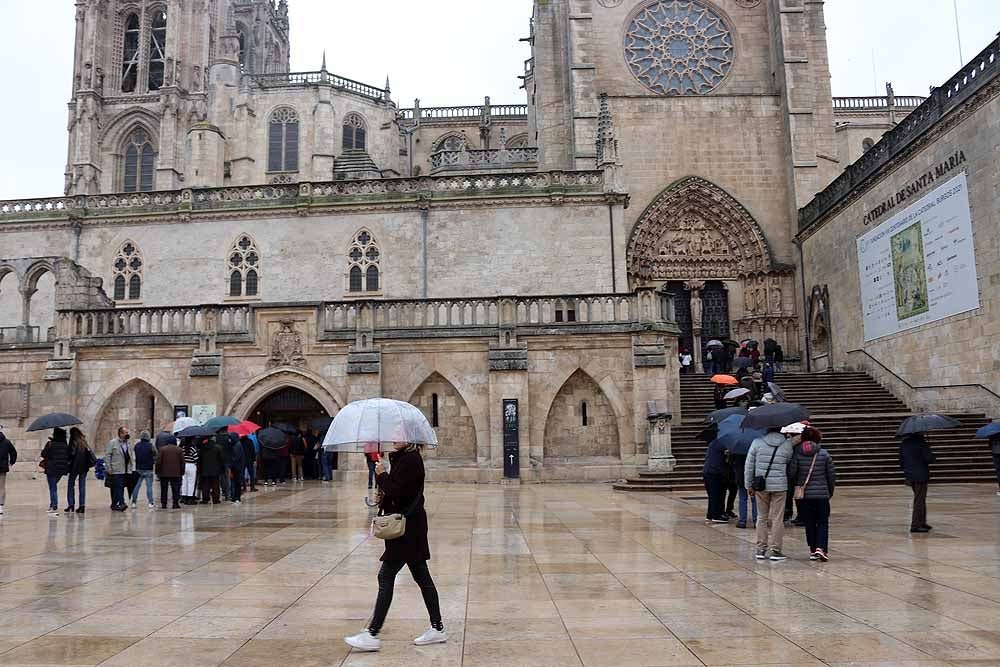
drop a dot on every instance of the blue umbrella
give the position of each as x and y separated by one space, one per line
988 431
734 438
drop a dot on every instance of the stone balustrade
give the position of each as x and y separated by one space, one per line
322 77
118 323
494 158
464 112
876 102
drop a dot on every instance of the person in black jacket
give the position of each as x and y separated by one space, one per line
82 459
715 474
55 461
235 467
210 467
915 457
400 491
8 457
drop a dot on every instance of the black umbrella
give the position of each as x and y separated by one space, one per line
743 362
775 415
776 391
196 432
719 415
53 420
709 433
929 421
321 423
271 438
286 428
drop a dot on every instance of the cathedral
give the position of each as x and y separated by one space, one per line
237 238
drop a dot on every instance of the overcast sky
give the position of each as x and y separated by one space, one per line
447 52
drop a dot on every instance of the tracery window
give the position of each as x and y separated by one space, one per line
139 162
452 142
127 273
283 140
354 132
244 268
364 263
130 54
157 49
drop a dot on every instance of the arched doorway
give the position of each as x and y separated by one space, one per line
294 407
137 405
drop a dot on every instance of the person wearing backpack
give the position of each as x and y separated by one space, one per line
812 472
8 457
766 479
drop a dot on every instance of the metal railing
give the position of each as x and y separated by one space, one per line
298 79
970 79
875 102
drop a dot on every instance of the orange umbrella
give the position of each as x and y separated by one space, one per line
724 379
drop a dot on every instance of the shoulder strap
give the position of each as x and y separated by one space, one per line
811 466
771 462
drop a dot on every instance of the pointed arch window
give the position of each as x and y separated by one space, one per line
283 140
127 273
130 53
451 142
355 133
157 49
244 268
140 158
364 263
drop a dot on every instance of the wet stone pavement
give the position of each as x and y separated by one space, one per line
546 575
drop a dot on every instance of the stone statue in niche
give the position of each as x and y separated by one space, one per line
696 309
286 346
776 304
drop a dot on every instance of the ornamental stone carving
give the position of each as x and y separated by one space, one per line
748 4
286 346
609 3
678 47
694 229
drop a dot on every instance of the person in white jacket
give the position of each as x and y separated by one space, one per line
768 460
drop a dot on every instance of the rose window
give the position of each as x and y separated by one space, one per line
678 47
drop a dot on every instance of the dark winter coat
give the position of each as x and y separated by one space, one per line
994 445
400 487
170 460
210 462
235 452
56 457
145 455
915 457
823 480
82 459
715 460
249 453
8 455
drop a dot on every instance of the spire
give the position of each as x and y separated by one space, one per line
322 67
607 148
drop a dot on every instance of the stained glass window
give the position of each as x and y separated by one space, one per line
283 140
363 261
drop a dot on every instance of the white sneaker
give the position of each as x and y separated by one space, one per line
151 506
236 502
364 641
53 512
432 636
1 509
1 506
133 505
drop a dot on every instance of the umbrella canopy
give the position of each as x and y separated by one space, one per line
53 420
183 423
286 428
775 415
196 432
221 422
776 392
743 362
724 379
244 428
719 415
362 424
734 438
928 421
709 433
989 430
714 343
271 438
163 439
736 393
321 423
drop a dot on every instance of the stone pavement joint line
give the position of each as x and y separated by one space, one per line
537 575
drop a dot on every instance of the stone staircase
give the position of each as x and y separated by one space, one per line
858 418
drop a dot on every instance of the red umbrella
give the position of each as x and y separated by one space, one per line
244 428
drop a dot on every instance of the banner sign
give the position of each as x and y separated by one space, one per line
920 265
511 439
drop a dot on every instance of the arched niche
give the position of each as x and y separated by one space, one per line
568 434
450 416
137 405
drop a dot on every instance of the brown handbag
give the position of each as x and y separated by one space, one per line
393 526
800 491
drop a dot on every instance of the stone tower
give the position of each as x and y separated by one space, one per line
142 80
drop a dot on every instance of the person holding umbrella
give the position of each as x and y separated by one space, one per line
915 458
236 465
715 474
737 443
8 457
991 432
55 462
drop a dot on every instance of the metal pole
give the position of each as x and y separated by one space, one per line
958 35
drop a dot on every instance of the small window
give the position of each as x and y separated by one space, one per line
559 315
251 283
371 279
354 133
356 283
244 268
130 54
119 288
363 261
435 417
235 284
584 417
570 315
127 272
157 49
134 288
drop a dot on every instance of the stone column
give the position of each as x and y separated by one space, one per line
696 313
661 457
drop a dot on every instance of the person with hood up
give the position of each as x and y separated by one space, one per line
766 479
169 468
812 471
55 461
8 457
82 459
915 458
235 468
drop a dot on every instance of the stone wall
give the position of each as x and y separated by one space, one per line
455 428
581 421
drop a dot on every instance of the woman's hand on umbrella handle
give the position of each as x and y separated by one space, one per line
379 467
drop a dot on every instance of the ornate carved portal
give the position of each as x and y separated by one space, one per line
696 242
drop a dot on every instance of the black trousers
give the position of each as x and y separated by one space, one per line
715 486
236 486
174 483
919 518
732 491
386 585
815 513
210 486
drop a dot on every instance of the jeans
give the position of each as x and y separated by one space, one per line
74 480
53 490
386 583
190 480
117 491
175 488
371 472
327 458
252 474
743 505
235 488
815 512
772 510
147 477
919 518
224 482
715 486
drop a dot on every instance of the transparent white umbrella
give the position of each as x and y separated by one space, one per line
183 423
378 424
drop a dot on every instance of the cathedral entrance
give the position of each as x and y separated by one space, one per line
293 407
700 307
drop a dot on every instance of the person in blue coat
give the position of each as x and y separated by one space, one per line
915 458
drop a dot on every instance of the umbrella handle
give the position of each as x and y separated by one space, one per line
369 503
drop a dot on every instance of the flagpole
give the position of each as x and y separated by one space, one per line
958 35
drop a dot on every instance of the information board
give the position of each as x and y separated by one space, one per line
920 265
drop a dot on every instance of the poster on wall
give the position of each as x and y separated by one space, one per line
202 413
920 265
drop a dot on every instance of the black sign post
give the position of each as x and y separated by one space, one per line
511 440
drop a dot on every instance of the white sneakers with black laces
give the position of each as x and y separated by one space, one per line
431 636
364 641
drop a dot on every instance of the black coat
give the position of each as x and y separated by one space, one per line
56 457
915 457
400 487
8 455
210 459
82 459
